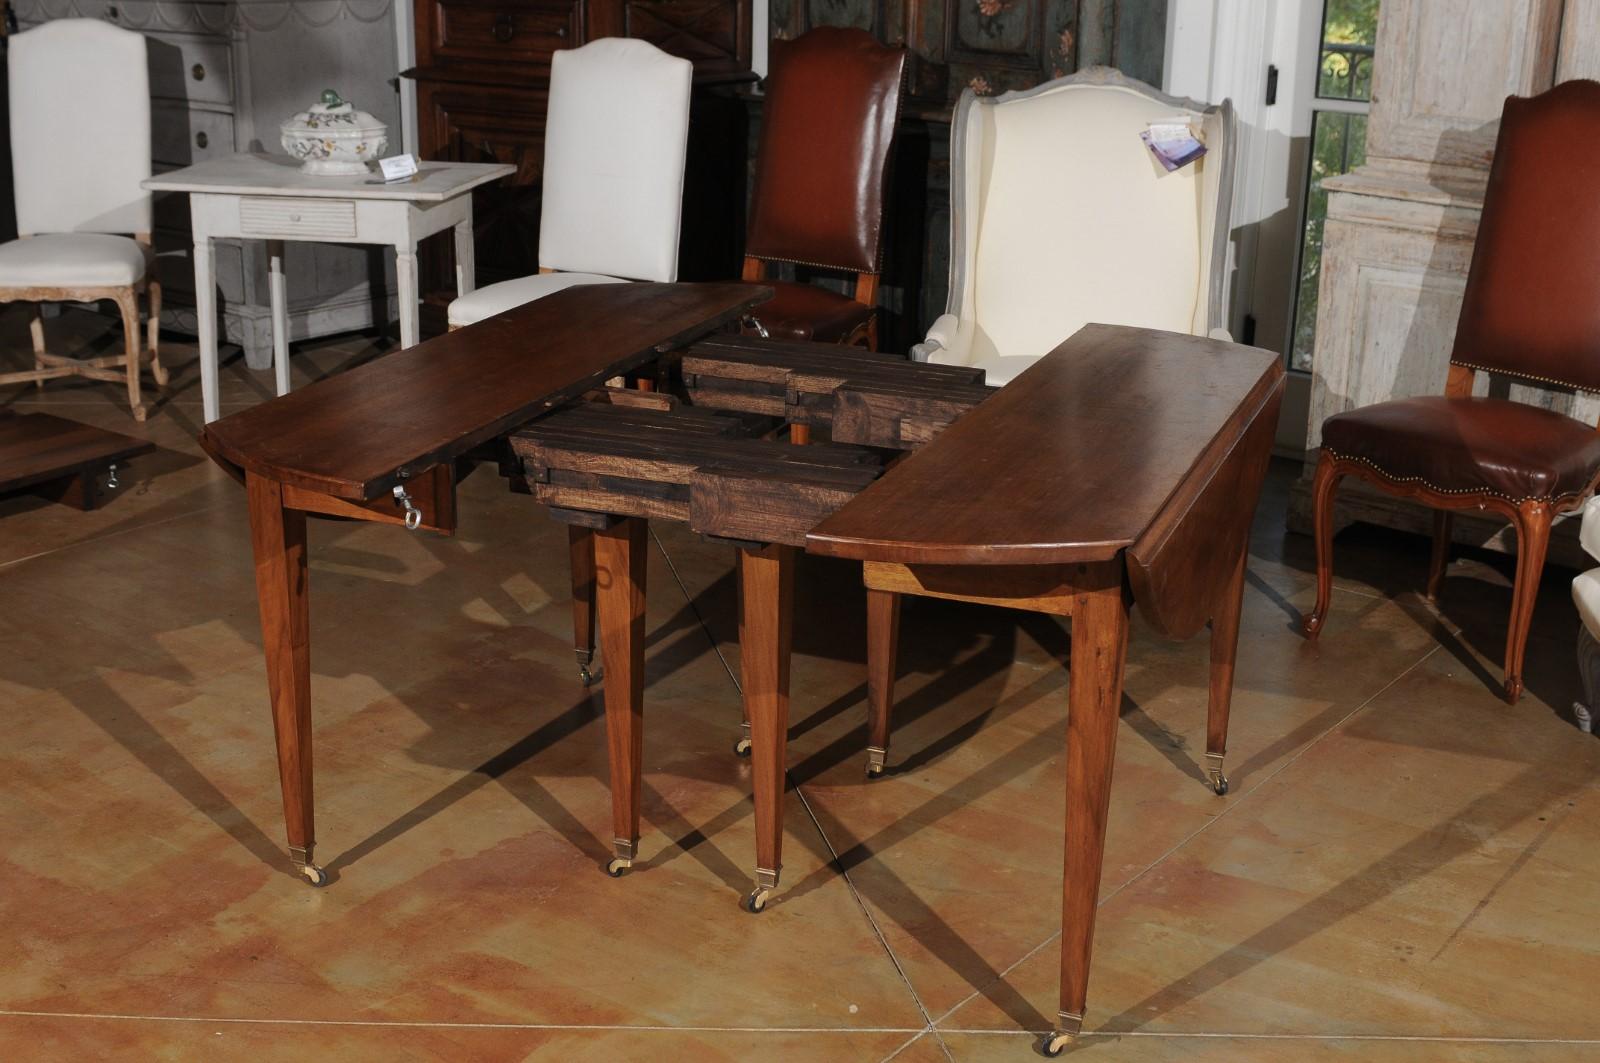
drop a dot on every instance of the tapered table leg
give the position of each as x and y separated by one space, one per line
766 605
620 556
1099 648
1224 649
883 644
278 537
580 548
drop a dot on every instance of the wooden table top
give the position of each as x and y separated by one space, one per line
261 174
35 447
358 434
1070 462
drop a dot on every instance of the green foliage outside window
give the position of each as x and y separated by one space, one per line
1338 145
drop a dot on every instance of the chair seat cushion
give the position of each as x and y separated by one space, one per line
1464 446
498 298
71 260
806 312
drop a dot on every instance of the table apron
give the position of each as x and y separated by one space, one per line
394 223
1036 588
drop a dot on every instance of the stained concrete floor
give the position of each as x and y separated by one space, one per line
1406 869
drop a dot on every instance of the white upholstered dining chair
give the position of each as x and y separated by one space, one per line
1060 215
615 139
80 146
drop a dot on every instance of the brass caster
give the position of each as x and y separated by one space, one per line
1311 624
1067 1027
755 902
314 875
1214 777
1220 785
876 760
616 866
1513 689
1056 1043
584 675
741 748
1583 717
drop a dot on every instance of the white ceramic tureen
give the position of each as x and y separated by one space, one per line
334 138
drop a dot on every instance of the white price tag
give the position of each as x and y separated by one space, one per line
398 167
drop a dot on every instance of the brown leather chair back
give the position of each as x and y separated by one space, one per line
833 99
1532 304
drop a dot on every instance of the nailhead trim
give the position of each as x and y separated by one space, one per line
1524 376
1386 474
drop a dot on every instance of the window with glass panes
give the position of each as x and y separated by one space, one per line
1338 144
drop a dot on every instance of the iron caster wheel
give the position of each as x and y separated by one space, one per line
1220 785
314 875
617 866
755 902
1055 1044
741 748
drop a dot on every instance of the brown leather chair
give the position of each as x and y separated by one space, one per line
1530 311
832 104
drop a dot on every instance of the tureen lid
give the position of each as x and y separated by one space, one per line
333 113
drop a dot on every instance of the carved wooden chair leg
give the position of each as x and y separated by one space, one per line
153 341
1322 491
1224 651
580 548
765 640
1532 524
1443 520
36 329
620 555
128 302
883 644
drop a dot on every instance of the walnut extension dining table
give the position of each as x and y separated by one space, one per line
1121 470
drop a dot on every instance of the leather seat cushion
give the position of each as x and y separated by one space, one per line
1511 449
806 312
71 260
498 298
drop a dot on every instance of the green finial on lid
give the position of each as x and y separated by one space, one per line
330 98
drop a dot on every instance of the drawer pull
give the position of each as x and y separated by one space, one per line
111 13
562 32
201 140
504 28
198 71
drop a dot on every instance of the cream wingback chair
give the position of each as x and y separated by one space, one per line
615 139
80 146
1060 215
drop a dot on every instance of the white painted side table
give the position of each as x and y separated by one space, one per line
266 197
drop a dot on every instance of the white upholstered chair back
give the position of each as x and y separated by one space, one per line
80 128
615 139
1062 216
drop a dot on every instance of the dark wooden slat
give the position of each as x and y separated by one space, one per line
357 434
897 415
764 507
1106 426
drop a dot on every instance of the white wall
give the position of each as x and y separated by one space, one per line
1220 49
